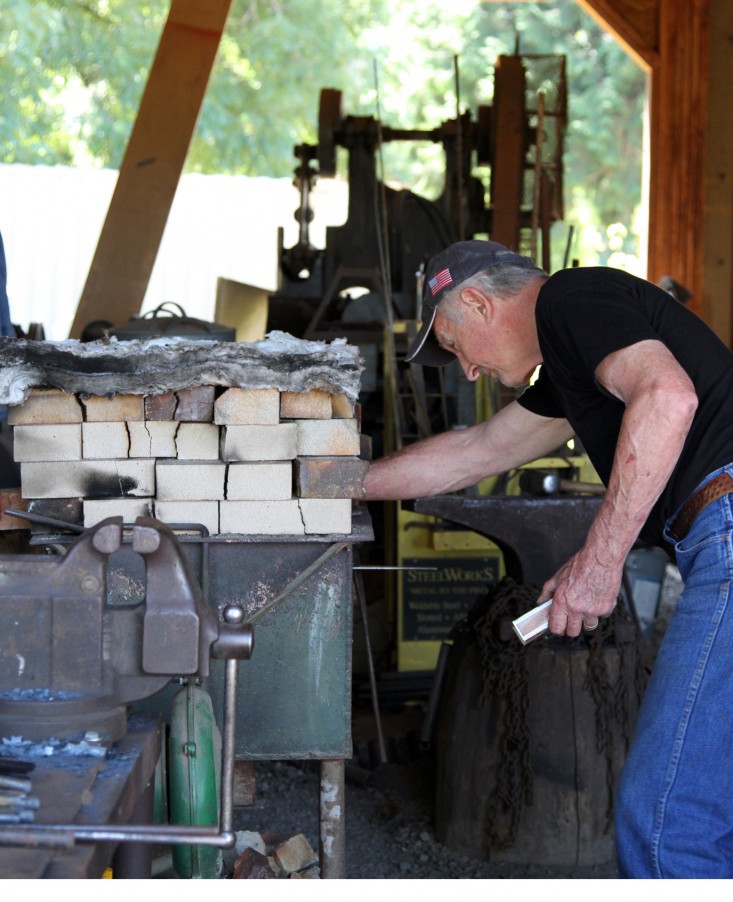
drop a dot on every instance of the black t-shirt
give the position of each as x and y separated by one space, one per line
585 314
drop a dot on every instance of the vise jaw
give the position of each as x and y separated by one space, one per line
70 660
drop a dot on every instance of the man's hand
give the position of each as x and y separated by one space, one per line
582 591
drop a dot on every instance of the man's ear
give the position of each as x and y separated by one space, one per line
478 302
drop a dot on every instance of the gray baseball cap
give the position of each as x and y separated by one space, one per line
445 271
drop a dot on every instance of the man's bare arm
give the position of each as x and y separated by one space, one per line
660 405
454 460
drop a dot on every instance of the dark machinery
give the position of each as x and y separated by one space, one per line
390 234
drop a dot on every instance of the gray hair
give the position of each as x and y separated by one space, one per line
503 281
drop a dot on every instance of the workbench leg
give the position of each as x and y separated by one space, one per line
332 820
134 860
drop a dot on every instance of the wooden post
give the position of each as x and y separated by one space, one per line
128 245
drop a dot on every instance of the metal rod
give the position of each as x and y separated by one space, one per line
332 821
66 834
45 521
426 731
228 746
300 578
20 784
459 151
539 135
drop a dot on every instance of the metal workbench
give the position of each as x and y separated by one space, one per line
116 788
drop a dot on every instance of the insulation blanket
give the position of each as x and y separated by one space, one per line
157 365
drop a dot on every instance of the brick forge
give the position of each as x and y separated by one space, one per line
245 461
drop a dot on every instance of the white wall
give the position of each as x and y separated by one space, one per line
219 225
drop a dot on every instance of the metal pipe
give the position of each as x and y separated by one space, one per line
332 822
426 731
228 747
66 834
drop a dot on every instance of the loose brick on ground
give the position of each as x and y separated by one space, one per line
46 406
248 406
325 438
259 442
309 405
272 481
57 442
103 441
188 480
295 854
118 409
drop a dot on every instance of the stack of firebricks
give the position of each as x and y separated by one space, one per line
247 461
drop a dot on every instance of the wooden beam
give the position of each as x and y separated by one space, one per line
716 302
130 238
679 103
634 24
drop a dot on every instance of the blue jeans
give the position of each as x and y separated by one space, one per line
674 810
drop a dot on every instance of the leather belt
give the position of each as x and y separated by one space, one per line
721 485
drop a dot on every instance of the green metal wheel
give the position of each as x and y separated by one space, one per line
194 768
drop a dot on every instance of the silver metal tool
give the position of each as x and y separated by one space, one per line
534 623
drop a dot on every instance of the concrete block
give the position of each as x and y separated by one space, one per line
326 438
154 438
102 441
259 442
248 406
57 442
160 407
309 405
129 509
329 477
325 516
271 481
261 518
197 441
204 512
46 406
195 404
190 480
118 409
88 479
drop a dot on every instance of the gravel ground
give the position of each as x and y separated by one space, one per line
389 824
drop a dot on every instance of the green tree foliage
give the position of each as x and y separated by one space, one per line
74 71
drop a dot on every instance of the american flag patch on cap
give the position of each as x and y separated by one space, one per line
439 281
